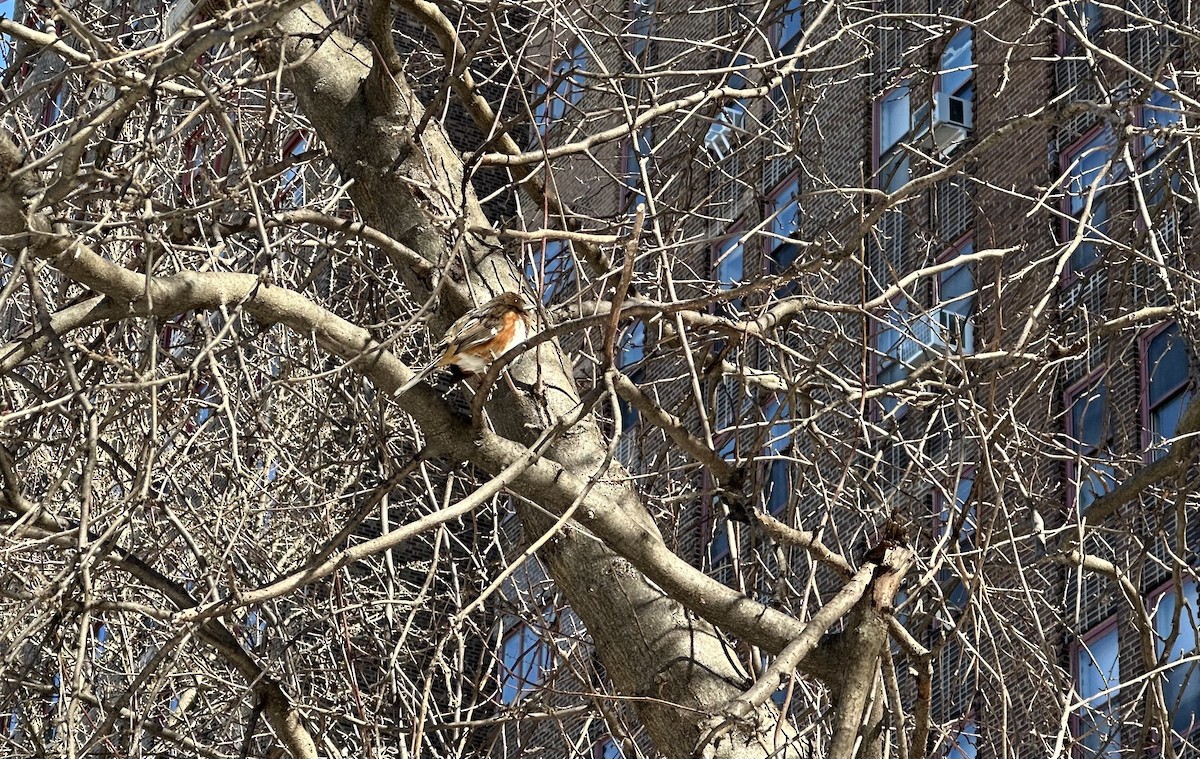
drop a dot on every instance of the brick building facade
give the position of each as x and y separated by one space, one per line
990 389
914 137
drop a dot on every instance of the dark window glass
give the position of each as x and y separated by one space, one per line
1098 673
1181 687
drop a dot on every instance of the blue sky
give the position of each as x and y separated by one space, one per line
6 10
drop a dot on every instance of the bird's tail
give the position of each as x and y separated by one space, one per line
417 378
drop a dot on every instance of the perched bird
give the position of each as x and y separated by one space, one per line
480 337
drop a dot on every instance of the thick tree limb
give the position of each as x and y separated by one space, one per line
615 515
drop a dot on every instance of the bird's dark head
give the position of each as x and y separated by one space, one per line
510 300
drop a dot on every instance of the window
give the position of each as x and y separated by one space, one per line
608 749
965 743
568 75
1081 17
782 428
566 78
7 48
632 347
1087 170
1165 387
641 26
102 636
541 108
955 297
728 266
254 630
893 122
634 153
8 267
1089 475
892 350
778 472
729 123
784 226
523 664
13 721
292 190
779 487
958 521
1161 114
207 404
177 336
729 403
720 558
956 69
1097 676
789 27
549 267
954 95
1181 684
725 131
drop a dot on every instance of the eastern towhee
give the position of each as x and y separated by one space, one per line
479 337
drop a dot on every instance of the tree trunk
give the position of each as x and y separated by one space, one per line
649 644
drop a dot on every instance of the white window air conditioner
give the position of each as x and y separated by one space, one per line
957 332
921 334
722 135
937 334
953 119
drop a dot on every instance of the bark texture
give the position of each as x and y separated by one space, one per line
650 645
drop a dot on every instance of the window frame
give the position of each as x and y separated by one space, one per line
1068 43
774 445
963 246
547 282
1074 486
1153 601
880 322
787 45
737 235
1145 372
878 152
641 27
542 659
970 68
1101 190
964 472
291 181
1077 647
771 213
